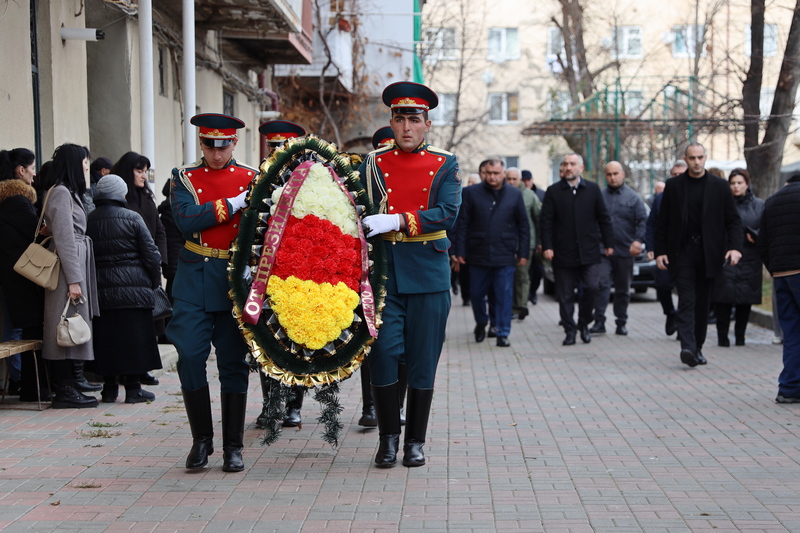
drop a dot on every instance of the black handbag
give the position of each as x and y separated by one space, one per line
162 307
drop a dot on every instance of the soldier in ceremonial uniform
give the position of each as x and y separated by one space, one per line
418 191
206 198
277 132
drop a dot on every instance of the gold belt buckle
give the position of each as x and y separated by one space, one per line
399 236
214 253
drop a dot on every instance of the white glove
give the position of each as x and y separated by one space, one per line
238 202
381 224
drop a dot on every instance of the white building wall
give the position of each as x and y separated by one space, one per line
16 103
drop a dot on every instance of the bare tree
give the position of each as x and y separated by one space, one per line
764 158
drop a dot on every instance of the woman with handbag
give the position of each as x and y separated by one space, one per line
25 299
128 271
132 168
65 217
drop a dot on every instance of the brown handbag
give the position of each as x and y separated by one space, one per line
37 263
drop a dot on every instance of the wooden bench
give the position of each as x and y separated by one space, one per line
9 348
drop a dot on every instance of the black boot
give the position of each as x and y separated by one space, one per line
368 418
81 384
266 386
234 409
134 393
419 408
387 410
402 382
198 410
293 408
110 389
66 396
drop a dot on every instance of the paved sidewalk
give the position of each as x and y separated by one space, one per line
616 435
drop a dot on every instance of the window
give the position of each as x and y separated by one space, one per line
558 103
555 43
503 44
511 160
227 103
445 112
503 107
627 42
687 39
770 40
439 44
336 8
162 71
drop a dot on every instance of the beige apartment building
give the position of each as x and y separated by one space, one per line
675 69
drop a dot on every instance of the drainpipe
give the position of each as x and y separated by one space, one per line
189 84
270 114
146 83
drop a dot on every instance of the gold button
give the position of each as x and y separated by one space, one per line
189 174
206 169
391 208
422 207
232 169
424 189
379 160
249 173
236 225
395 152
386 175
199 191
431 173
424 242
241 189
205 244
440 159
205 259
388 190
422 152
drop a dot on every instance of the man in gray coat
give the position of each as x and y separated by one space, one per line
626 209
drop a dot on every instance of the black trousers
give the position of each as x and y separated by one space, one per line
694 297
566 281
664 284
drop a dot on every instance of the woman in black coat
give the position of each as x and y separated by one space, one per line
132 168
128 269
24 299
740 286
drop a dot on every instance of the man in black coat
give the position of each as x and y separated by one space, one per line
493 237
779 246
697 231
574 222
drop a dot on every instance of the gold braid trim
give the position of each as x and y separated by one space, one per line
221 208
412 224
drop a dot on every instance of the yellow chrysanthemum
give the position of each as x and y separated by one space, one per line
312 314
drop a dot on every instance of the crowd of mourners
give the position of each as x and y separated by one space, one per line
114 246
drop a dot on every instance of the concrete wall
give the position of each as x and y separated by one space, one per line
16 103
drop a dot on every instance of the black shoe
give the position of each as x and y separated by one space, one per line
293 418
492 332
787 399
586 337
503 342
739 341
69 398
701 359
523 313
534 299
413 454
723 341
80 382
368 418
261 420
621 330
198 411
148 379
597 328
670 327
466 303
569 340
110 393
234 409
138 396
480 333
688 358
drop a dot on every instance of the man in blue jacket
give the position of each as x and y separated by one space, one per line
493 237
418 191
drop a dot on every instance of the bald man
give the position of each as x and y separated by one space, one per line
626 209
